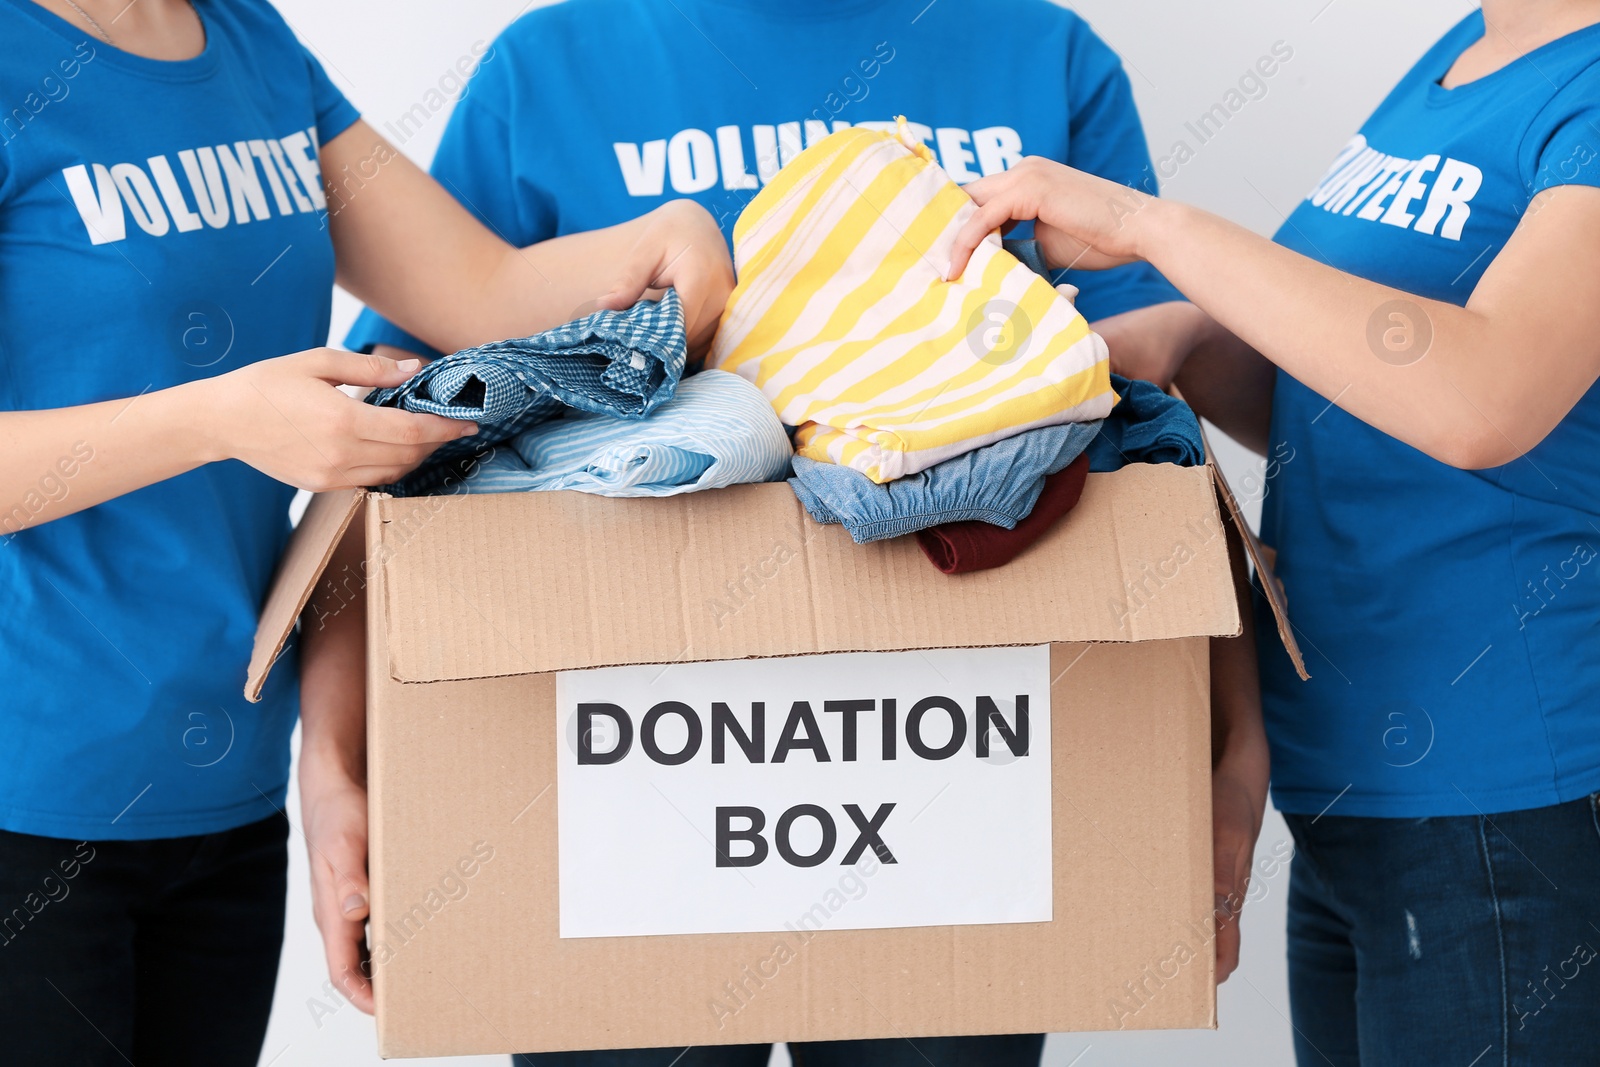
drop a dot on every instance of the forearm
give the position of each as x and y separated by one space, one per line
1238 734
1473 386
1221 377
1316 322
550 283
409 251
525 291
60 461
478 292
1229 383
333 764
1152 342
333 666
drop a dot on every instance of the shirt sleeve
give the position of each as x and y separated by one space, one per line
477 163
1562 145
1106 138
335 114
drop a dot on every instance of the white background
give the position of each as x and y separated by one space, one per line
1182 56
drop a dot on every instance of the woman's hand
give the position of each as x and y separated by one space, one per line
1080 220
1240 762
333 811
333 764
1238 797
287 418
679 247
1445 392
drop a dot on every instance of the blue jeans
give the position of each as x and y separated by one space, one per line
1465 940
1010 1050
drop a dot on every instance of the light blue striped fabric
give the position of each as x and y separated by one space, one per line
718 430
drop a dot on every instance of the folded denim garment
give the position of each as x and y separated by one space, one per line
621 363
997 484
1146 426
718 430
1028 253
963 547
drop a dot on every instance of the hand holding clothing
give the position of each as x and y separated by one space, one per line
1079 220
286 418
678 247
1450 400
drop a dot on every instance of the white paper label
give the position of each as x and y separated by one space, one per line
845 791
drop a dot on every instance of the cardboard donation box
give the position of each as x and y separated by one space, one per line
697 770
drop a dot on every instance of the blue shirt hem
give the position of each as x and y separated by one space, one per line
130 826
1468 801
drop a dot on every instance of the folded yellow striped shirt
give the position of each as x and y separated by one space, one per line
843 319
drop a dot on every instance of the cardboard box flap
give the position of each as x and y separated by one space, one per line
510 584
1265 579
307 554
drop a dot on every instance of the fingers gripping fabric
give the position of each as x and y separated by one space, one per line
621 363
843 318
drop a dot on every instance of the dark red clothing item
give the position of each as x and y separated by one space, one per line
961 547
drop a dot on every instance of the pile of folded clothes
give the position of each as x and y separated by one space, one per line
968 412
984 508
598 405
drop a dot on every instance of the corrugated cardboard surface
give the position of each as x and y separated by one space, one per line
1261 560
304 558
474 600
487 586
474 964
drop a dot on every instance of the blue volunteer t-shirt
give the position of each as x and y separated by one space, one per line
706 99
159 222
1450 618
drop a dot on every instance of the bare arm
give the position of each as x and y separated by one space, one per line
282 416
1152 342
1497 376
333 764
412 253
93 453
1233 387
416 255
407 249
1229 383
1221 377
1240 765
